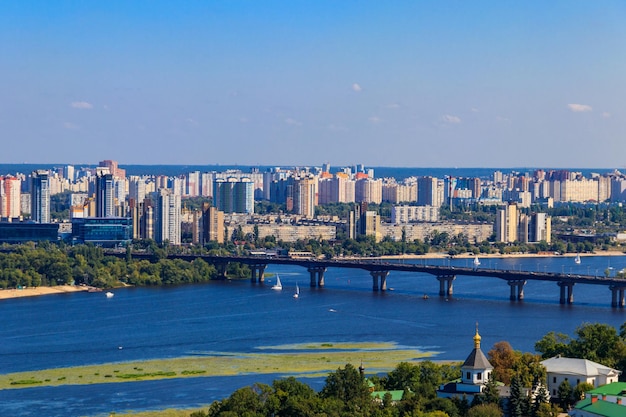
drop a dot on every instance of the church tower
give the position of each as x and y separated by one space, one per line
475 373
476 369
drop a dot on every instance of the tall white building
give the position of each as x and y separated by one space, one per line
167 217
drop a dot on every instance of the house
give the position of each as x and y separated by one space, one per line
475 373
575 371
606 401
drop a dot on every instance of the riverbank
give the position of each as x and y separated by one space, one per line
64 289
37 291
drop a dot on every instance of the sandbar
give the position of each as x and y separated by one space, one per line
37 291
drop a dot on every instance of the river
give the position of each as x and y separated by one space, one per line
237 316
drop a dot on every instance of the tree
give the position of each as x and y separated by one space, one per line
485 410
502 357
553 344
580 390
564 391
517 399
596 342
541 398
529 369
490 394
348 386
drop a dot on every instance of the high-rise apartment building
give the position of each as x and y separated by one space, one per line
10 197
368 190
507 223
40 197
430 191
113 168
233 195
304 196
193 184
212 225
167 217
105 193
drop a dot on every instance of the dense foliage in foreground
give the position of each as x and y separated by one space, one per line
347 392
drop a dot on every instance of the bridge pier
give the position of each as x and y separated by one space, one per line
617 296
383 280
569 287
517 289
445 284
317 275
258 272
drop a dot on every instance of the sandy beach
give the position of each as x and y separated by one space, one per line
36 291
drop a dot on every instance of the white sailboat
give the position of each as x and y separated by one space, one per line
278 285
297 294
577 259
476 261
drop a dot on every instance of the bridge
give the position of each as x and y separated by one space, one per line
379 270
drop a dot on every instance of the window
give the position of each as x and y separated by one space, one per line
479 376
554 380
468 375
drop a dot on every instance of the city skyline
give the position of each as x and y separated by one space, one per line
403 84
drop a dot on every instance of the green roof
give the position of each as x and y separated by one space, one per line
601 408
614 388
396 395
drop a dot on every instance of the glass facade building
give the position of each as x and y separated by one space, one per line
102 231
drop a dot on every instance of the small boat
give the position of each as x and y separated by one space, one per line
109 294
297 294
425 297
476 262
278 285
577 259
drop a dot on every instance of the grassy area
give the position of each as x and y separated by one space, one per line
304 360
162 413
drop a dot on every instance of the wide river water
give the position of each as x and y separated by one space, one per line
237 316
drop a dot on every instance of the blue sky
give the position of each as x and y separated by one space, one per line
383 83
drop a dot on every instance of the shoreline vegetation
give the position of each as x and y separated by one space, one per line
306 360
10 293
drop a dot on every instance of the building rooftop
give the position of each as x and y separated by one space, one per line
600 408
574 366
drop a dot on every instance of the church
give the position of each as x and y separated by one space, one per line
475 373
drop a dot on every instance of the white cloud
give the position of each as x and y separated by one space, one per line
375 119
474 110
579 108
450 119
606 114
82 105
70 126
392 106
292 122
356 87
337 128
